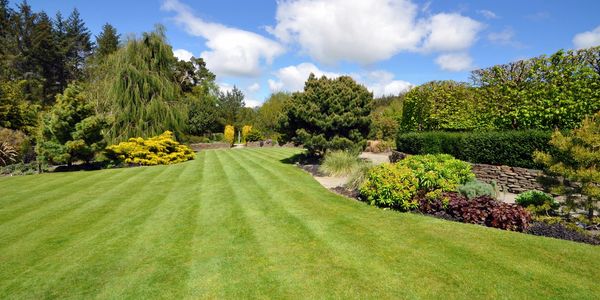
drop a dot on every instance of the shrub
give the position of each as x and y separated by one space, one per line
158 150
254 135
23 169
486 211
16 139
512 148
390 185
229 134
476 188
438 172
339 163
536 199
245 130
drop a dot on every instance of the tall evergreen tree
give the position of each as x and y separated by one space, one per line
231 104
79 45
108 40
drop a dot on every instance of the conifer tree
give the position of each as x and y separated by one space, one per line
107 41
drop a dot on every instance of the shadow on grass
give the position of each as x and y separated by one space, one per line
301 159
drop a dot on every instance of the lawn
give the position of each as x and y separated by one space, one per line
240 223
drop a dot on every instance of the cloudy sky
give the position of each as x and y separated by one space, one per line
388 45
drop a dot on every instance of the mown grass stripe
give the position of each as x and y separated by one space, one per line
105 235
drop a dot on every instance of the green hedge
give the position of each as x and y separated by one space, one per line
512 148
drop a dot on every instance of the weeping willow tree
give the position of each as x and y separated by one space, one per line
135 88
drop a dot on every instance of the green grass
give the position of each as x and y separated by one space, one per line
239 223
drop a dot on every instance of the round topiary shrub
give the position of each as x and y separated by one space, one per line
390 185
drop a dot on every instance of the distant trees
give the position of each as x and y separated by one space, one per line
107 41
269 113
328 114
231 104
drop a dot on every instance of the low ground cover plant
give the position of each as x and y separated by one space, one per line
158 150
476 188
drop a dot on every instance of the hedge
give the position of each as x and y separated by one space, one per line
512 148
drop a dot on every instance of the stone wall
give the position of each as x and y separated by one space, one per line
509 179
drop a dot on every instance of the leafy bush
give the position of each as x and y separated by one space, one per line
536 198
17 140
254 136
390 185
476 188
339 163
245 130
489 212
158 150
512 148
438 172
23 169
229 134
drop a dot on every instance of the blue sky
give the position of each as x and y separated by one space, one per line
264 46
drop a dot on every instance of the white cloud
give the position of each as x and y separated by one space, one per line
503 37
292 79
455 62
488 14
252 103
232 51
451 32
183 54
369 31
587 39
253 88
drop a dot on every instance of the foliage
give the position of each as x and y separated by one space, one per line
194 77
16 111
476 188
70 130
17 140
512 148
330 114
438 173
537 202
245 131
229 134
108 40
339 163
20 168
578 162
136 89
385 119
545 92
232 104
390 185
269 114
254 136
484 210
158 150
442 105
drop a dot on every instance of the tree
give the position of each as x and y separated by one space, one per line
204 115
79 45
328 114
107 41
577 161
70 130
16 112
268 114
385 118
135 88
193 73
231 104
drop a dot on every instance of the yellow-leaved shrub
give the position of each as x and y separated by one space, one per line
245 130
157 150
229 134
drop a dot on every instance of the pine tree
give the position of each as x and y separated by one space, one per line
108 40
79 45
231 104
